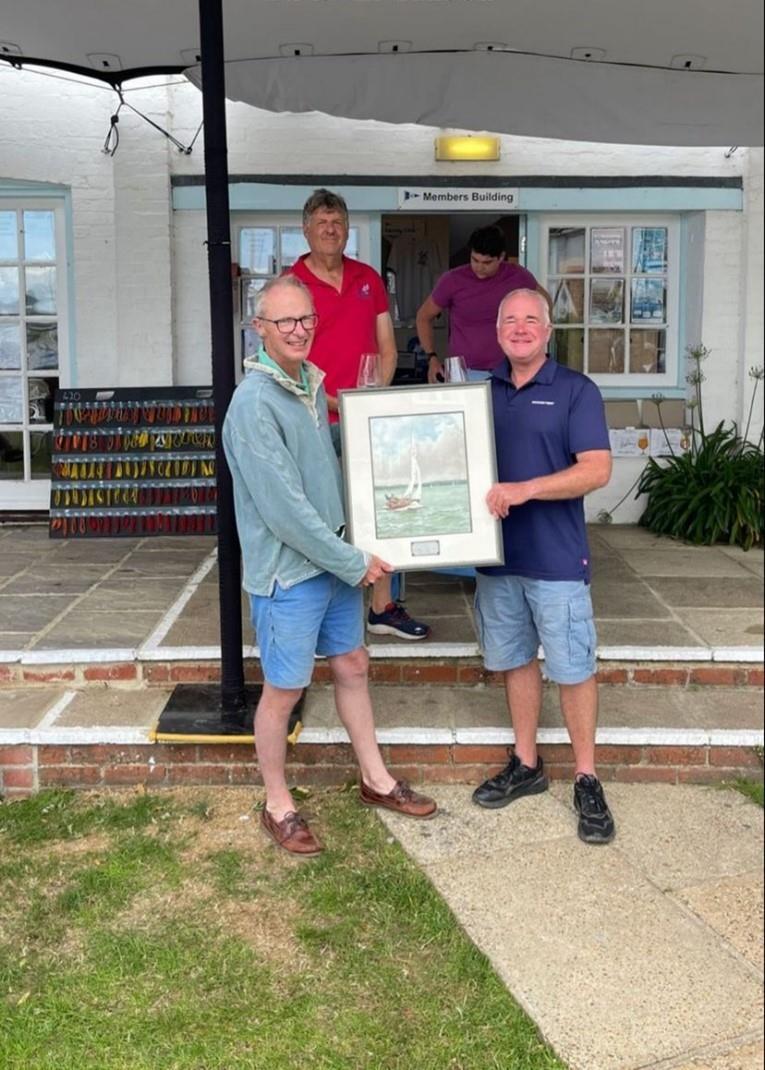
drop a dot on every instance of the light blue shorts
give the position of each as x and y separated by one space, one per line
322 616
514 615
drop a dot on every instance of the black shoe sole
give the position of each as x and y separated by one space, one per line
535 787
598 839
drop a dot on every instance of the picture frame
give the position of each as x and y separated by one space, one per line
418 462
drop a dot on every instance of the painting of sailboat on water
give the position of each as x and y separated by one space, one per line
420 476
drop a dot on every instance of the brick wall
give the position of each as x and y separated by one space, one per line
25 769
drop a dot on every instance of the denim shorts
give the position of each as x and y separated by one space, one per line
514 615
322 616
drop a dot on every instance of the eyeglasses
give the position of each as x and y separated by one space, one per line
287 324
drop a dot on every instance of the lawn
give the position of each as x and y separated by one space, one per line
164 931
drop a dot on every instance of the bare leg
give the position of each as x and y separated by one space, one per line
579 706
354 707
523 688
381 593
271 720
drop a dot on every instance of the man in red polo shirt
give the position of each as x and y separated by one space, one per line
352 304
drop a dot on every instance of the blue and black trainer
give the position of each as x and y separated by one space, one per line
394 620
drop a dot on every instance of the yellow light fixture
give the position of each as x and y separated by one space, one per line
467 147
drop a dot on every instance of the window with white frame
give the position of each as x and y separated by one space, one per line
265 249
33 344
614 288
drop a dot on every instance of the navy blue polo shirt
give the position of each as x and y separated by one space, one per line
539 429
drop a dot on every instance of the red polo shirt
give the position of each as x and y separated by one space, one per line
347 321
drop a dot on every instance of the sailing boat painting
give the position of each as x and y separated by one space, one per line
419 471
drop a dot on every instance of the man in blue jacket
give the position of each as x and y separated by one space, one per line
552 450
303 578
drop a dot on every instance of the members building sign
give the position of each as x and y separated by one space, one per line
456 199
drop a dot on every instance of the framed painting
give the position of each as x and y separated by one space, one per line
418 463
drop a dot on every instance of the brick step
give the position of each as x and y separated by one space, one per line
459 671
92 739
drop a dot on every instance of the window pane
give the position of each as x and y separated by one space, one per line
10 346
606 352
649 299
40 443
250 342
566 251
10 400
250 288
257 250
293 245
9 291
41 400
41 291
9 245
648 352
607 251
39 236
649 250
11 455
569 349
568 301
352 247
607 301
42 346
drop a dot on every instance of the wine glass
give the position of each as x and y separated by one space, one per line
370 370
455 370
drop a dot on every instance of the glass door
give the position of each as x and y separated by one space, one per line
33 335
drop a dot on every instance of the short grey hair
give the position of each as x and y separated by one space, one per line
291 281
326 199
529 293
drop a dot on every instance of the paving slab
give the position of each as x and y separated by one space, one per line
25 709
15 640
684 836
47 579
199 621
569 927
746 1057
733 907
706 561
725 627
85 630
633 537
31 612
118 595
720 592
646 633
625 599
464 829
113 709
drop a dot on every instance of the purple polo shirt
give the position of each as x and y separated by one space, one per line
473 304
539 429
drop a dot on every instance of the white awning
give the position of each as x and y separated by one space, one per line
682 73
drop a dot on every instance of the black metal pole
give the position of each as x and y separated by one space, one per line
233 704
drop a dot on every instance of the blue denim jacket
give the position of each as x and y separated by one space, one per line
288 490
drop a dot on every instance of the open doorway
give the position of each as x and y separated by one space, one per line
415 251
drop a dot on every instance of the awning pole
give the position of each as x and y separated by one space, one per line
222 334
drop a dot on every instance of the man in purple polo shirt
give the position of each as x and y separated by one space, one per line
471 294
552 449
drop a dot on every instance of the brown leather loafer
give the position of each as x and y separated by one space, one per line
402 799
292 833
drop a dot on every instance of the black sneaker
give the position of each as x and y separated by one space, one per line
596 823
394 620
515 780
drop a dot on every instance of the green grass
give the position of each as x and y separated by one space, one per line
148 932
753 789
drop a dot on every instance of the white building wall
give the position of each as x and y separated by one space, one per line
140 270
52 129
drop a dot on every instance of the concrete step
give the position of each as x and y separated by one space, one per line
105 737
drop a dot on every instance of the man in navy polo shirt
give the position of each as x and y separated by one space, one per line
552 449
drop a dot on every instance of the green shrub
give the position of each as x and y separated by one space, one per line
716 491
712 494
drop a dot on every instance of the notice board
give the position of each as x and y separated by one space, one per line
133 462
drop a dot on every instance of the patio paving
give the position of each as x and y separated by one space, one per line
649 594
